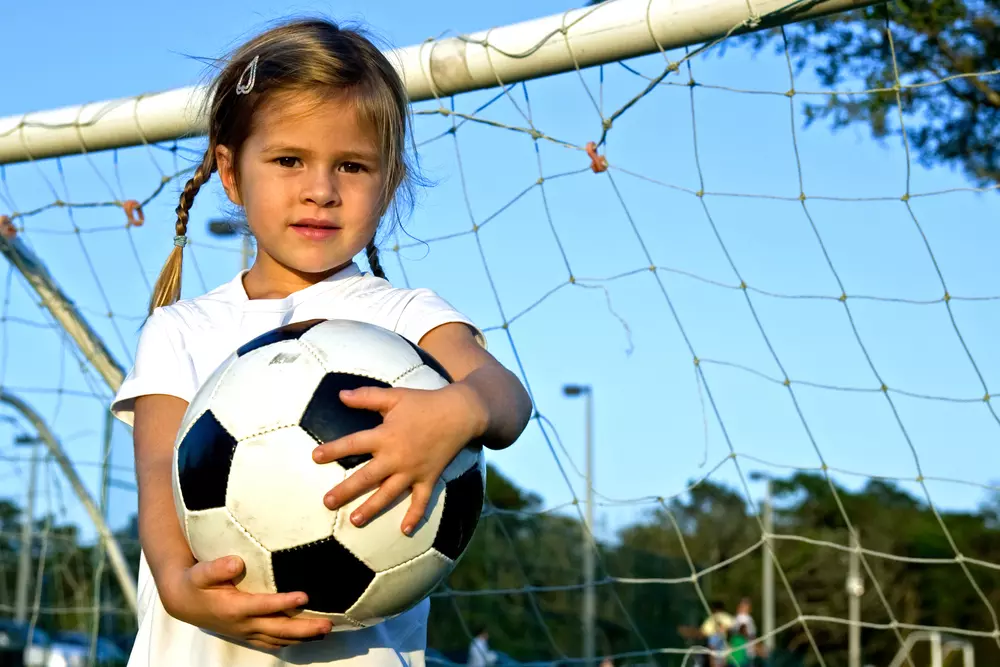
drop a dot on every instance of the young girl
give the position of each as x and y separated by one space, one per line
307 132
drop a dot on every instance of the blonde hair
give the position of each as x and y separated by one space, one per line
311 56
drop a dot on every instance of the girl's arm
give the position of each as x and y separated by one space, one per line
201 594
496 397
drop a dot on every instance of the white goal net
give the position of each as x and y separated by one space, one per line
785 328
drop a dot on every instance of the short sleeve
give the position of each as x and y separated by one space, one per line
162 366
424 311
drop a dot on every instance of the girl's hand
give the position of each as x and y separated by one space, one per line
204 595
422 431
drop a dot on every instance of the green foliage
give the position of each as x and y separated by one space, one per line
946 55
516 552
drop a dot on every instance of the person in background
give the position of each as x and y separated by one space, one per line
738 644
480 654
714 630
744 619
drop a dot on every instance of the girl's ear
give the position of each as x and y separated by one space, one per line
227 173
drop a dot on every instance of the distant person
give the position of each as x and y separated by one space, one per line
744 618
480 654
714 630
739 645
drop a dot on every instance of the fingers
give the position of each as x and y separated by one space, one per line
366 478
281 628
215 572
419 500
390 489
379 399
361 442
263 604
264 644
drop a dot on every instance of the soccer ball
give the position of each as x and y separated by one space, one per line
245 483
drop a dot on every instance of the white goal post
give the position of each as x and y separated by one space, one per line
611 31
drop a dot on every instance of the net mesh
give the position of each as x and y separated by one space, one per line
760 309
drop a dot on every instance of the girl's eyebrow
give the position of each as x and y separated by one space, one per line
351 154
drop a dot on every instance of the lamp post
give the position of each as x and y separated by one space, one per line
767 573
27 539
226 227
589 602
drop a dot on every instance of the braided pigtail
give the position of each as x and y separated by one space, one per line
168 286
372 251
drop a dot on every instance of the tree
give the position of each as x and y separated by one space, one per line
945 52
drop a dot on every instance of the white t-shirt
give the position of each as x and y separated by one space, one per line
743 618
180 346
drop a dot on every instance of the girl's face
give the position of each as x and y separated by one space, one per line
310 179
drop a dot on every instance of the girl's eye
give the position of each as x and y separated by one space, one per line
287 161
352 167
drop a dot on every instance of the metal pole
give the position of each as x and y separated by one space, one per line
117 559
767 576
589 602
27 544
854 592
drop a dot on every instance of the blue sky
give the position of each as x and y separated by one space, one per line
653 431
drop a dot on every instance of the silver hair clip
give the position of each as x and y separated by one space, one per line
180 240
250 74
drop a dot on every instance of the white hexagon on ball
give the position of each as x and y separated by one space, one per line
266 389
276 490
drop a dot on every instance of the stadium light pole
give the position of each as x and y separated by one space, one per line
226 227
27 537
855 589
589 602
767 572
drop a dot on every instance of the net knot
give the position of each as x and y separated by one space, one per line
598 162
7 228
134 214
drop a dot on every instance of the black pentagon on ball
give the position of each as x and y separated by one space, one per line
203 460
429 361
292 331
326 418
463 503
326 571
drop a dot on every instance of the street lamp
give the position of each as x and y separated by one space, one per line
24 561
226 227
767 575
589 602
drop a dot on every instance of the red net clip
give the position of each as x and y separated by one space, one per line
7 228
133 211
598 163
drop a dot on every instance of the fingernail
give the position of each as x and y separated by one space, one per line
318 455
330 502
357 519
407 529
301 600
232 565
347 392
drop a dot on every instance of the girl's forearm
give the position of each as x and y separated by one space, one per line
500 404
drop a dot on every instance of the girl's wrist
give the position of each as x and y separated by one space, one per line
473 407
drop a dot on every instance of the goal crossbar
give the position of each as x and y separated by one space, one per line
579 38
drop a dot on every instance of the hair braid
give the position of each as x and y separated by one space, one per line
372 251
168 285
